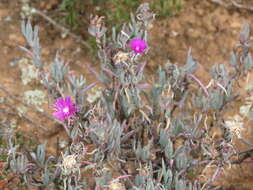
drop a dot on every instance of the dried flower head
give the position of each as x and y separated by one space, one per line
115 185
138 45
97 28
235 125
70 164
64 108
121 57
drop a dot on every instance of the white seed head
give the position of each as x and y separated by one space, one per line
69 162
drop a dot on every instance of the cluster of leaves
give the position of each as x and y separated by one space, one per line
154 135
75 11
75 8
72 14
121 9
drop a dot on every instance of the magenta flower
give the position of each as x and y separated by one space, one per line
64 108
138 45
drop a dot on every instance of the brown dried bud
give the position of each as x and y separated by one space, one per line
120 57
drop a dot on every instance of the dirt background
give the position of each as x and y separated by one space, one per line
210 29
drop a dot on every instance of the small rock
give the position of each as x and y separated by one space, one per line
7 19
174 33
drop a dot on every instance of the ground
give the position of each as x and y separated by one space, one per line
209 29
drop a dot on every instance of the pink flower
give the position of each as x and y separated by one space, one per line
138 45
64 108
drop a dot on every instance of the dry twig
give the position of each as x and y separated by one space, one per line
233 3
62 28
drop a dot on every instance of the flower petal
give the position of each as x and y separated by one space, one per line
59 115
138 45
68 101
